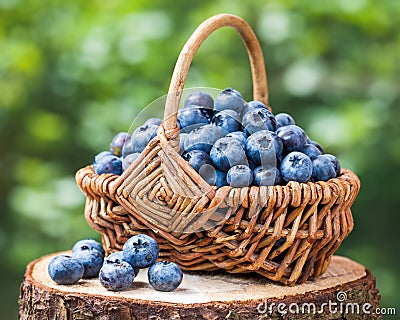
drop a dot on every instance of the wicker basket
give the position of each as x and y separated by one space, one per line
204 228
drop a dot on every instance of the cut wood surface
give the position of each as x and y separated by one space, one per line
202 295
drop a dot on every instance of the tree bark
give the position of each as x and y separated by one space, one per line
345 288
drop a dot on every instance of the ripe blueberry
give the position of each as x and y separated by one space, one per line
203 138
197 159
228 152
64 269
258 119
296 166
228 120
229 99
165 276
141 251
239 176
293 137
116 276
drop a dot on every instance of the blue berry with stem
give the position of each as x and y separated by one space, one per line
141 251
296 166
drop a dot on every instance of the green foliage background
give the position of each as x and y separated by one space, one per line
73 73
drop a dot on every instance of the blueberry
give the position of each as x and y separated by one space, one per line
296 166
284 119
229 99
130 158
91 259
199 98
116 276
197 159
139 139
118 142
316 144
266 176
335 162
310 150
191 118
253 105
118 257
258 119
264 148
228 120
240 135
108 164
141 251
102 155
165 276
239 176
153 121
128 148
323 168
228 152
212 176
293 137
115 257
86 244
64 269
182 139
203 138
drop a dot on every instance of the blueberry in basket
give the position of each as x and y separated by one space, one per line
118 142
293 137
213 176
296 166
253 105
240 135
228 120
229 141
267 176
239 176
197 159
191 118
228 152
264 148
258 119
203 138
106 162
283 119
200 98
229 98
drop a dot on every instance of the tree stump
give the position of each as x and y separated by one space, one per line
345 291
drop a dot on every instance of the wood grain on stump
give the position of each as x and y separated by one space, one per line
345 288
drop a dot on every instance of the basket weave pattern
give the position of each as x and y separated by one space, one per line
204 228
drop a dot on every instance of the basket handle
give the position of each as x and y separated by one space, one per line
259 77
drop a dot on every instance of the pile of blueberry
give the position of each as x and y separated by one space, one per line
229 141
117 271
